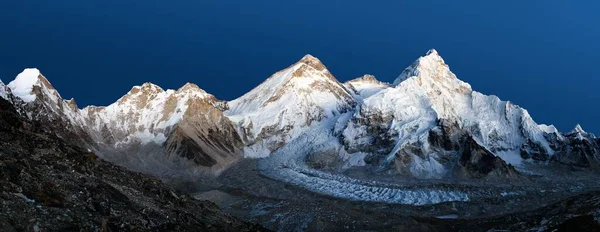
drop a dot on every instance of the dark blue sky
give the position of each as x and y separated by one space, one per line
542 55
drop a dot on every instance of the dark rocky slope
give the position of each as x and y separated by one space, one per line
47 184
577 213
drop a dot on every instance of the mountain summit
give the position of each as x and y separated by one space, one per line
428 124
431 65
291 99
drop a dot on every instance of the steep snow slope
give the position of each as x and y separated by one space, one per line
279 109
426 94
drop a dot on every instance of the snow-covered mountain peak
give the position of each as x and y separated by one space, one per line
289 100
367 78
431 65
30 84
23 84
149 88
432 52
311 60
310 67
305 76
366 85
192 89
141 94
189 86
579 133
578 129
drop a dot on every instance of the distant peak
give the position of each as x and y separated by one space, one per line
578 129
191 87
431 65
432 52
580 134
23 84
188 86
312 62
310 66
309 57
147 87
150 85
367 78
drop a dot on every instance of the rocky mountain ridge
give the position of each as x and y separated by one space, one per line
427 124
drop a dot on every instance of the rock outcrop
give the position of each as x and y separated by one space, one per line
46 184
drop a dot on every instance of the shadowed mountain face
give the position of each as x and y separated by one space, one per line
46 184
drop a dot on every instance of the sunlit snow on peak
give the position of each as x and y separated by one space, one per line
431 65
23 84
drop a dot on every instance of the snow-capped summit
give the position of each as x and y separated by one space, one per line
190 87
432 52
276 110
578 129
579 133
427 102
428 124
367 78
431 65
36 99
311 60
22 86
31 89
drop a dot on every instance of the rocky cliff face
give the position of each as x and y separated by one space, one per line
206 137
46 184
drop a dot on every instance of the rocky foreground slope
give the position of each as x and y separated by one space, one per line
47 184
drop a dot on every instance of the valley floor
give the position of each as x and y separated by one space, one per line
532 202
